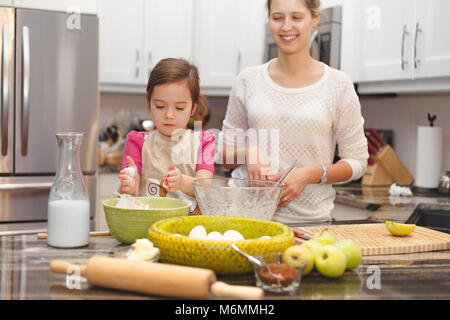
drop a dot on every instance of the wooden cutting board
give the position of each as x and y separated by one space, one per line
374 239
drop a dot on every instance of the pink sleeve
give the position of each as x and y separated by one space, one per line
205 156
133 148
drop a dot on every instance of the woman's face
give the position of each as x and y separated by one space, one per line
291 24
171 106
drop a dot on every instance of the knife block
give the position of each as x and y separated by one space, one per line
388 169
376 176
394 166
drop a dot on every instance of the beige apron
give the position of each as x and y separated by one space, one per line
158 152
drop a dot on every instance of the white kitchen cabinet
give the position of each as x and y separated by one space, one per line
6 3
387 40
229 36
79 6
404 40
136 36
121 42
168 31
432 58
220 37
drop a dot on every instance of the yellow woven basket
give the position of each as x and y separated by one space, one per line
218 254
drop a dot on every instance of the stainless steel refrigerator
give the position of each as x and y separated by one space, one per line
49 84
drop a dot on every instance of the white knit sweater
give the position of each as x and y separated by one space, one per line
311 120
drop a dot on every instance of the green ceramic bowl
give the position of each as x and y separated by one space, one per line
127 225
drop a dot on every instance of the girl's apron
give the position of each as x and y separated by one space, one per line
158 152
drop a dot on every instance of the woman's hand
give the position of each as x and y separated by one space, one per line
258 167
294 183
173 179
129 178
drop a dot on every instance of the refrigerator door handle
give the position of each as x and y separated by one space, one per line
5 89
25 88
25 186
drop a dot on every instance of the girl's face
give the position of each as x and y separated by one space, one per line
291 24
171 106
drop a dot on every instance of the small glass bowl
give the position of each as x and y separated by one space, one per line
275 275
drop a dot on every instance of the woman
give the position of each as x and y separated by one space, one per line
309 106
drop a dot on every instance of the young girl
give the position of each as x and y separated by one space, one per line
171 155
313 107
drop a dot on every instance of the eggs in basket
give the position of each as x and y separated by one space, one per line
184 240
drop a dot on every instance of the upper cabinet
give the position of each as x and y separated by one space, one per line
121 42
404 40
220 37
78 6
229 36
432 39
387 47
136 36
168 28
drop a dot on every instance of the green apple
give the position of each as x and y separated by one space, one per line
324 237
297 255
352 252
313 246
330 261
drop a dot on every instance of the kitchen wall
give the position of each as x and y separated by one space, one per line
403 114
122 108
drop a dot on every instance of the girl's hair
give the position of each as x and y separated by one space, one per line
174 70
313 5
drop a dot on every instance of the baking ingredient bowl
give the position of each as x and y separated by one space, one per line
238 197
218 254
274 275
128 225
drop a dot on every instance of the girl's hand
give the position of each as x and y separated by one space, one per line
257 165
294 183
129 178
173 179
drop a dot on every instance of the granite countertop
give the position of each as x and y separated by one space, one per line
385 207
25 260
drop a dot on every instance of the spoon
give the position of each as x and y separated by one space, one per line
287 171
252 259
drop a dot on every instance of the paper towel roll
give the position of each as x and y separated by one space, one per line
429 157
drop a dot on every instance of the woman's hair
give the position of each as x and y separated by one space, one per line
174 70
313 5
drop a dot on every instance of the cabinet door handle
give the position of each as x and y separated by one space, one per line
405 33
137 55
238 65
150 59
416 60
137 73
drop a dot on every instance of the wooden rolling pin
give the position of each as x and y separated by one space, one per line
91 234
157 278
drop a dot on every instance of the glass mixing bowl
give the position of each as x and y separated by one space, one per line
238 197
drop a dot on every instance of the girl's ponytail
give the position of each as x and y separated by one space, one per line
203 112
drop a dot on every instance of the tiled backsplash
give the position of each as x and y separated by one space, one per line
402 114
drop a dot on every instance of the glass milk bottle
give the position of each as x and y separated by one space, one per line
68 204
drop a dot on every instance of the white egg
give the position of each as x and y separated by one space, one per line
178 235
198 232
232 235
214 235
265 237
